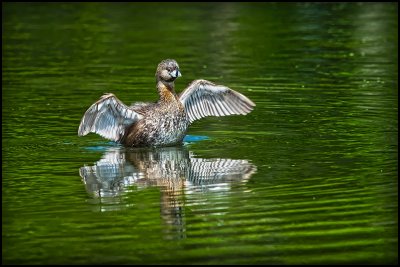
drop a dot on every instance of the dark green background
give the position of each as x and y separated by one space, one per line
323 135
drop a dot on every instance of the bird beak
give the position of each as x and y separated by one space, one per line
176 73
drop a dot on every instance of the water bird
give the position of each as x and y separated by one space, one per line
165 122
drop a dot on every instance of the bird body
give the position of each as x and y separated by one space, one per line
165 122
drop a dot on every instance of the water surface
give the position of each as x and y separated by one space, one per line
309 177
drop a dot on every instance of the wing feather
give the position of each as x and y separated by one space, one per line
203 98
108 117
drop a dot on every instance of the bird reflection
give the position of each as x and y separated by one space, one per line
174 170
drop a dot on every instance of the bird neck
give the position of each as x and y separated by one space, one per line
166 90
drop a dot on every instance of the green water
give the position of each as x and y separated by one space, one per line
309 177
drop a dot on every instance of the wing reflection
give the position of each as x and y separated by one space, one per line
175 170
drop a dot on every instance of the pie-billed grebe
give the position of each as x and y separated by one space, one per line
165 122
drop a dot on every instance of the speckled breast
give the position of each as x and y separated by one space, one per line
170 125
164 124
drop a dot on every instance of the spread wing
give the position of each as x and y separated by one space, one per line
108 117
203 98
